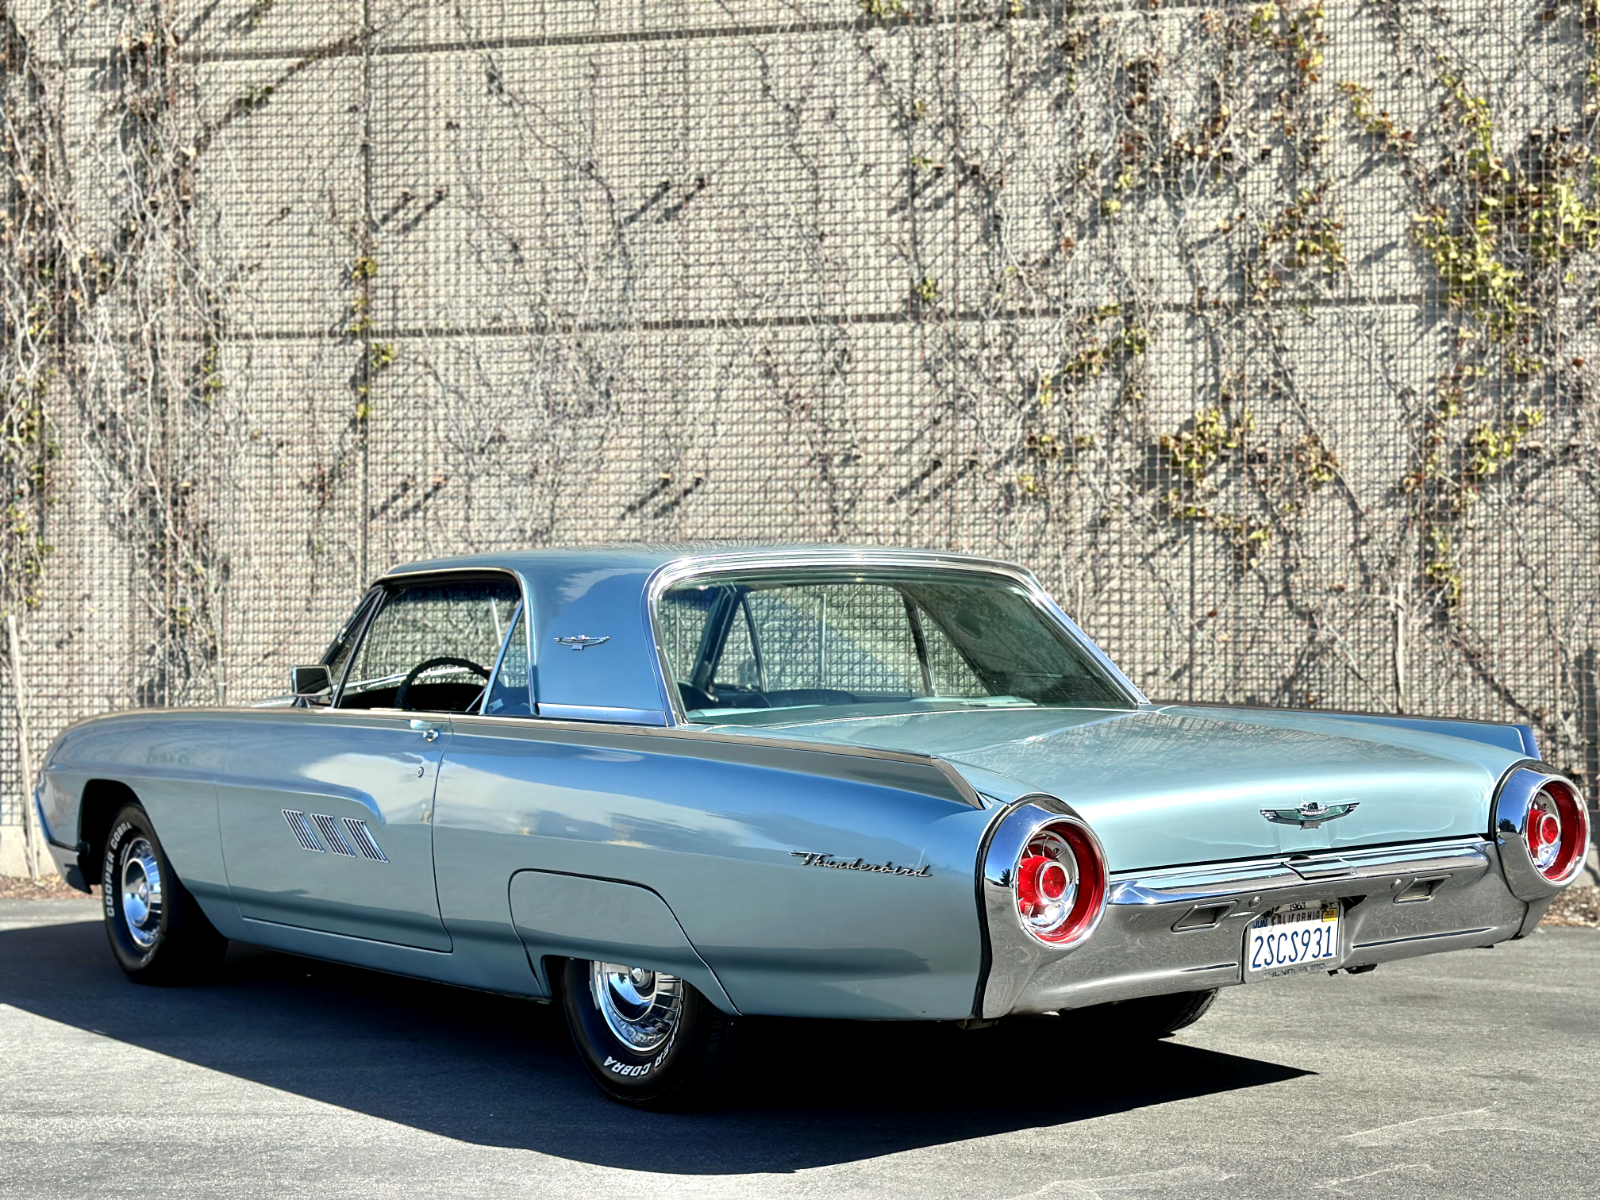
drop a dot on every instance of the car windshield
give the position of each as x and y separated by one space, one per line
767 648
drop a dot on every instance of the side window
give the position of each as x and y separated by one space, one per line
509 697
338 655
431 647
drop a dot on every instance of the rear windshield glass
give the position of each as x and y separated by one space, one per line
762 648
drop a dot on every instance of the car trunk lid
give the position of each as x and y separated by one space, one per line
1171 786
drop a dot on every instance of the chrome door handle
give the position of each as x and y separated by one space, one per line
429 731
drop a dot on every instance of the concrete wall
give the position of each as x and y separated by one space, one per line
500 273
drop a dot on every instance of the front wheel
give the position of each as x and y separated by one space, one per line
1151 1017
157 931
649 1039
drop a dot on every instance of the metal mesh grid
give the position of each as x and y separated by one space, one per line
1262 332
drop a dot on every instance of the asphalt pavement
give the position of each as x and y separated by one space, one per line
1465 1074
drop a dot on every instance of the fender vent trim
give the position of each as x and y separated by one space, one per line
329 828
302 830
362 837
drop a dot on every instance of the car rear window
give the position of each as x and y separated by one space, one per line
760 647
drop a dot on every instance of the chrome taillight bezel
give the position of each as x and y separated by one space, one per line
1028 819
1514 805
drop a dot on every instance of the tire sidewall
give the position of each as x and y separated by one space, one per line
619 1069
129 823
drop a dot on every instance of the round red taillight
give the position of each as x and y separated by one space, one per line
1053 881
1544 836
1555 831
1060 883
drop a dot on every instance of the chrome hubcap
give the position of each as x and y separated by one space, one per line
141 891
640 1007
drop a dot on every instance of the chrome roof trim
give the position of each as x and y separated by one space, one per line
398 575
524 605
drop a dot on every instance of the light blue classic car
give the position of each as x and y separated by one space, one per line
675 787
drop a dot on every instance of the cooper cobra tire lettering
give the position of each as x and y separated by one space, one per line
108 870
683 1071
173 942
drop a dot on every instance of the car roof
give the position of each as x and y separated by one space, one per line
599 597
649 556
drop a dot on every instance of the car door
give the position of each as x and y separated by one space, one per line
326 813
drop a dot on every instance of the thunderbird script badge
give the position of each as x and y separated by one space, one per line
888 868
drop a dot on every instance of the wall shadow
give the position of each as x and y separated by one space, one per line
500 1072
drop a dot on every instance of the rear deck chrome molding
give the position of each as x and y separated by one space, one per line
1449 860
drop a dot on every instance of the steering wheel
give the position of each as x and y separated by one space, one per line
429 664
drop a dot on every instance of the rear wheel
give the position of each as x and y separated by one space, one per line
1150 1017
157 931
649 1039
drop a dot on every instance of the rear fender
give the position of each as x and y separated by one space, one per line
600 920
1519 739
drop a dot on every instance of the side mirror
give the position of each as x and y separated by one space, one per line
310 681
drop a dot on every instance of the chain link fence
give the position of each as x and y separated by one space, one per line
1262 332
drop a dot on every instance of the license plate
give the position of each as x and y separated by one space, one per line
1291 939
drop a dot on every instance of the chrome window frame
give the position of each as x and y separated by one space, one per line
354 629
672 574
387 584
499 661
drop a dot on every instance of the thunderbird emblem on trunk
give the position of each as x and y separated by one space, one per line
1310 815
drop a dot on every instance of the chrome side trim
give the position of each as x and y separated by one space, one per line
1510 826
686 736
593 712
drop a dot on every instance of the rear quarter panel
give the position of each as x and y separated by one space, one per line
714 830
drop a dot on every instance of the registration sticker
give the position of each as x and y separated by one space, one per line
1291 939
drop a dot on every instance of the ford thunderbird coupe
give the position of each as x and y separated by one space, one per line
671 789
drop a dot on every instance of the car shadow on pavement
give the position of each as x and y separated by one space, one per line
496 1071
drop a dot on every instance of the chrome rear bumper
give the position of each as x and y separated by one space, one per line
1184 930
